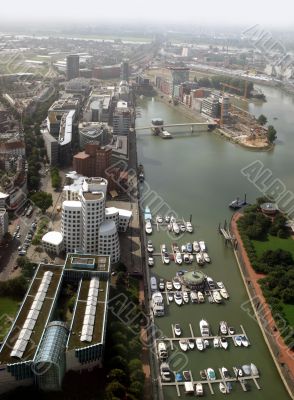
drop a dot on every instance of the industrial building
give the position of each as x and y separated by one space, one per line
39 349
72 66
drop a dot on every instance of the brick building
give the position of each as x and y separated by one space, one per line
93 161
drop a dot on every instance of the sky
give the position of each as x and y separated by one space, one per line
221 12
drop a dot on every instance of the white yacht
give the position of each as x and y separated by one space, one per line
199 259
175 228
183 345
199 389
150 247
166 259
177 330
150 261
162 351
220 285
169 285
189 227
204 328
183 248
216 296
199 344
224 293
148 227
223 327
157 304
170 297
183 228
196 246
185 297
206 257
177 284
216 342
224 343
194 297
178 258
153 283
178 298
244 341
202 245
159 219
191 344
200 297
238 341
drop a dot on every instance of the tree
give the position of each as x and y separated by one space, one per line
115 389
42 200
271 134
262 120
118 375
135 365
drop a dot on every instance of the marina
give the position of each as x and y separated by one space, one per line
207 160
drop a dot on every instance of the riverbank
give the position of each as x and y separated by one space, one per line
281 354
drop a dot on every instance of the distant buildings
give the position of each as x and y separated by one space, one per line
107 72
93 161
72 67
122 118
211 107
125 70
92 132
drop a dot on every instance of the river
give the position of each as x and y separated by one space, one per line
200 175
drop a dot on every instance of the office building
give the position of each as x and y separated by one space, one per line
72 67
125 70
210 106
93 161
122 118
3 223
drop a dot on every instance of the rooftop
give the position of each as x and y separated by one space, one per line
101 263
53 237
93 195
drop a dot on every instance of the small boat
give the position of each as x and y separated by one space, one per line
175 228
165 372
216 342
224 293
216 296
238 371
178 258
231 330
162 351
183 345
194 297
206 257
223 327
254 369
153 283
159 219
199 344
237 203
229 387
246 369
204 328
210 374
169 227
202 245
182 228
203 374
222 388
238 341
179 377
147 214
220 285
169 285
163 248
161 284
191 257
148 227
196 246
199 259
199 389
189 247
167 219
244 341
185 297
183 248
150 261
211 283
224 343
200 297
150 247
177 284
170 297
166 259
206 343
187 376
189 227
225 372
178 298
177 330
191 344
186 258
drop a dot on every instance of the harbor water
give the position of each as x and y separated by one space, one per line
199 174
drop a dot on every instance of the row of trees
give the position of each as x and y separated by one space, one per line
216 82
55 178
271 131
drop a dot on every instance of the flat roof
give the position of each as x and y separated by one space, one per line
93 195
53 237
102 263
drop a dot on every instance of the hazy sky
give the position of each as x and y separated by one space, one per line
275 13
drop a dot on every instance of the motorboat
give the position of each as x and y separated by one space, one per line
165 372
199 259
159 219
179 377
170 297
150 247
186 258
161 284
225 372
201 298
183 228
163 248
238 203
202 245
191 344
206 343
177 330
166 258
211 283
224 343
183 248
238 341
157 304
254 369
150 261
216 342
216 296
224 293
191 257
220 285
189 227
206 257
199 389
187 376
189 247
147 214
244 341
229 387
162 350
210 374
183 345
222 388
178 258
178 298
231 330
223 327
194 297
203 374
175 228
196 246
204 328
185 297
153 283
246 369
167 219
177 284
238 371
169 285
199 344
148 227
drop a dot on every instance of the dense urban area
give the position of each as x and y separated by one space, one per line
110 286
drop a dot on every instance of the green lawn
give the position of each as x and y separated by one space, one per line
8 310
273 243
289 312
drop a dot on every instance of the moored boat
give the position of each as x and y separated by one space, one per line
206 257
177 284
191 344
196 246
202 245
224 293
183 345
199 344
244 341
185 297
247 369
216 343
204 328
224 343
238 340
254 369
177 330
200 297
223 327
216 296
222 388
210 374
148 227
194 297
187 376
189 227
199 389
170 297
178 298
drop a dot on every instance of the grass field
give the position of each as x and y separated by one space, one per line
273 243
8 309
289 312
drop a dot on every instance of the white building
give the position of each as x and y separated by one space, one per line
3 223
109 241
122 118
53 242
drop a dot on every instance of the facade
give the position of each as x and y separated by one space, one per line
108 240
53 242
211 107
93 161
125 70
122 119
52 147
12 148
72 67
3 223
70 225
107 72
39 349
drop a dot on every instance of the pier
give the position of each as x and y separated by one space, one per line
225 232
208 125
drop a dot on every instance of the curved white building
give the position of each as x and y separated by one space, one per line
53 242
71 225
112 214
109 241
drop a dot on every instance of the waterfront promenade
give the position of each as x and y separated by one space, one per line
282 355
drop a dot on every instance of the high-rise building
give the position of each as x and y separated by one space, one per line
72 66
125 70
3 223
122 119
